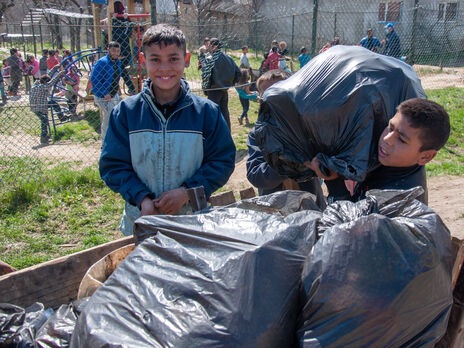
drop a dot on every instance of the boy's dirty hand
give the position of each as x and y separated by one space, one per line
314 165
171 201
147 207
290 184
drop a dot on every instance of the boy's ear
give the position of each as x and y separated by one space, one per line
426 156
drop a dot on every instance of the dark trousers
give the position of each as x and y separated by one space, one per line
221 98
245 105
125 75
71 99
15 81
43 124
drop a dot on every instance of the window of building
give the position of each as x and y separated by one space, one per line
390 11
447 11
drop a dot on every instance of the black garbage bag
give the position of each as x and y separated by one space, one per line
226 278
58 330
379 276
18 326
335 108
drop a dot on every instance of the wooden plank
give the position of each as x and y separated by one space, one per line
56 281
247 193
457 246
224 198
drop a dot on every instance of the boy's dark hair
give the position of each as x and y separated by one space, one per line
274 49
244 76
13 51
114 44
164 34
272 75
302 49
215 42
244 47
51 52
44 79
432 120
44 52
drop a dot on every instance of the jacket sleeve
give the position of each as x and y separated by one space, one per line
259 173
115 161
219 154
98 78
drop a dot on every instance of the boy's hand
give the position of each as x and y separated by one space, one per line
314 166
171 201
147 207
350 186
107 97
290 184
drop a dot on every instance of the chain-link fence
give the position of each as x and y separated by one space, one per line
431 33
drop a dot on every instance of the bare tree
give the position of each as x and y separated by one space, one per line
4 5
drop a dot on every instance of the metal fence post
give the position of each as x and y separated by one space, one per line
413 36
293 34
314 30
33 33
153 11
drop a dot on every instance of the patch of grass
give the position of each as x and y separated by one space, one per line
80 132
61 211
450 159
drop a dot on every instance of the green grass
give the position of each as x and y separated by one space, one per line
64 210
450 159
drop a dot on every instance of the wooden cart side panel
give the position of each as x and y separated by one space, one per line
56 281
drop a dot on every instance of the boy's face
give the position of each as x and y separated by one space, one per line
165 67
400 144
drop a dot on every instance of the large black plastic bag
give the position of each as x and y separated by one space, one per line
335 107
377 279
227 278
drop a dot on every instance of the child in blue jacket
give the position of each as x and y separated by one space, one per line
164 139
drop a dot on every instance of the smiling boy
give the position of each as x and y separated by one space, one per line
412 139
164 139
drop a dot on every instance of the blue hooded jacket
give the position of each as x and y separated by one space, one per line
102 76
146 154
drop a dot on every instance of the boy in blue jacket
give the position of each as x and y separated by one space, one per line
164 139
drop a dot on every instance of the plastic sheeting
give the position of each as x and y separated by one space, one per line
18 326
58 330
335 108
226 278
380 275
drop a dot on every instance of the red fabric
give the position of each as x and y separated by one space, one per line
272 61
51 62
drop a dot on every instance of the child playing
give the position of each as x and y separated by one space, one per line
164 139
412 138
272 60
244 94
43 62
38 100
16 73
2 88
71 81
259 173
303 57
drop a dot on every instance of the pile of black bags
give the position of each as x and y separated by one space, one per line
271 271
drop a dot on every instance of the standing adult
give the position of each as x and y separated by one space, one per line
105 83
121 33
16 73
370 41
218 74
391 42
